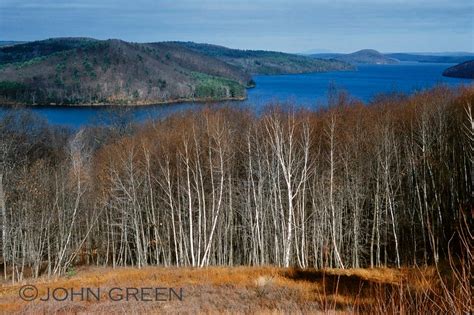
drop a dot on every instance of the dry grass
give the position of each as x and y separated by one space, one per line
240 290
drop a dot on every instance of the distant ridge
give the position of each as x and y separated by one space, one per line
9 42
371 56
435 58
266 62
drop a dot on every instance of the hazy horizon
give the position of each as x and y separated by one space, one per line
307 52
292 26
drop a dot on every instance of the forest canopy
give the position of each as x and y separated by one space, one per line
353 185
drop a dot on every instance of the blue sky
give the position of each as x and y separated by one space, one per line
285 25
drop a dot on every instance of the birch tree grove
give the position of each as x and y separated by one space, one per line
353 185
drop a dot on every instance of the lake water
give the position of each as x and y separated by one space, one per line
304 90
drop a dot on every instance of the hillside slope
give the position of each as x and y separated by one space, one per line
87 71
462 70
365 56
265 62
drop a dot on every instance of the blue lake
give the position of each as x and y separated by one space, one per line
303 90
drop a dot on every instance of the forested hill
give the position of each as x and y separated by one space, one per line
462 70
265 62
88 71
72 71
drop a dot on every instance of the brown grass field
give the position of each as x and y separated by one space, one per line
239 290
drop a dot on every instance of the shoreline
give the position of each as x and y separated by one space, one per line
140 104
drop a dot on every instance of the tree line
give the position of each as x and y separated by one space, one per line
351 185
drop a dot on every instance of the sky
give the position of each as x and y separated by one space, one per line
283 25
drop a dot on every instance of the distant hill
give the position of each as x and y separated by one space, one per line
265 62
435 58
365 56
462 70
86 71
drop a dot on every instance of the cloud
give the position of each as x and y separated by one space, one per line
275 24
